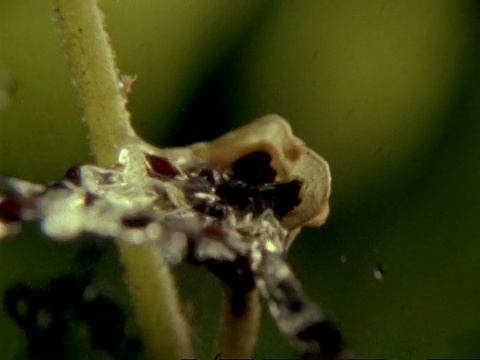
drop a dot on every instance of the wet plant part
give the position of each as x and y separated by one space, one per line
231 218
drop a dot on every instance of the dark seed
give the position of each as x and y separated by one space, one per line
215 209
10 210
190 255
208 175
254 168
74 174
136 222
235 193
214 232
162 166
281 197
90 199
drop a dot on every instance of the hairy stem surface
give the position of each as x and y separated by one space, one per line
92 62
95 74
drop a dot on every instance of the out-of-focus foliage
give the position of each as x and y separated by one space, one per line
386 91
366 83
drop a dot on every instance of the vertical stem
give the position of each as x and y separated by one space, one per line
95 74
239 325
92 60
152 288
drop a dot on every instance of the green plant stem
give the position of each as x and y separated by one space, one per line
95 74
239 330
92 62
152 287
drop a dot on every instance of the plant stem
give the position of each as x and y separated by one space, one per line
152 287
92 61
95 74
239 330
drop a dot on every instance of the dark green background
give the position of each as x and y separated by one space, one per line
387 91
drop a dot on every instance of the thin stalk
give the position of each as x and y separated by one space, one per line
239 329
95 74
152 287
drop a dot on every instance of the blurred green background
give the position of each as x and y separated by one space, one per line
387 91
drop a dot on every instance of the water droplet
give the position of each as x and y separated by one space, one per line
379 272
